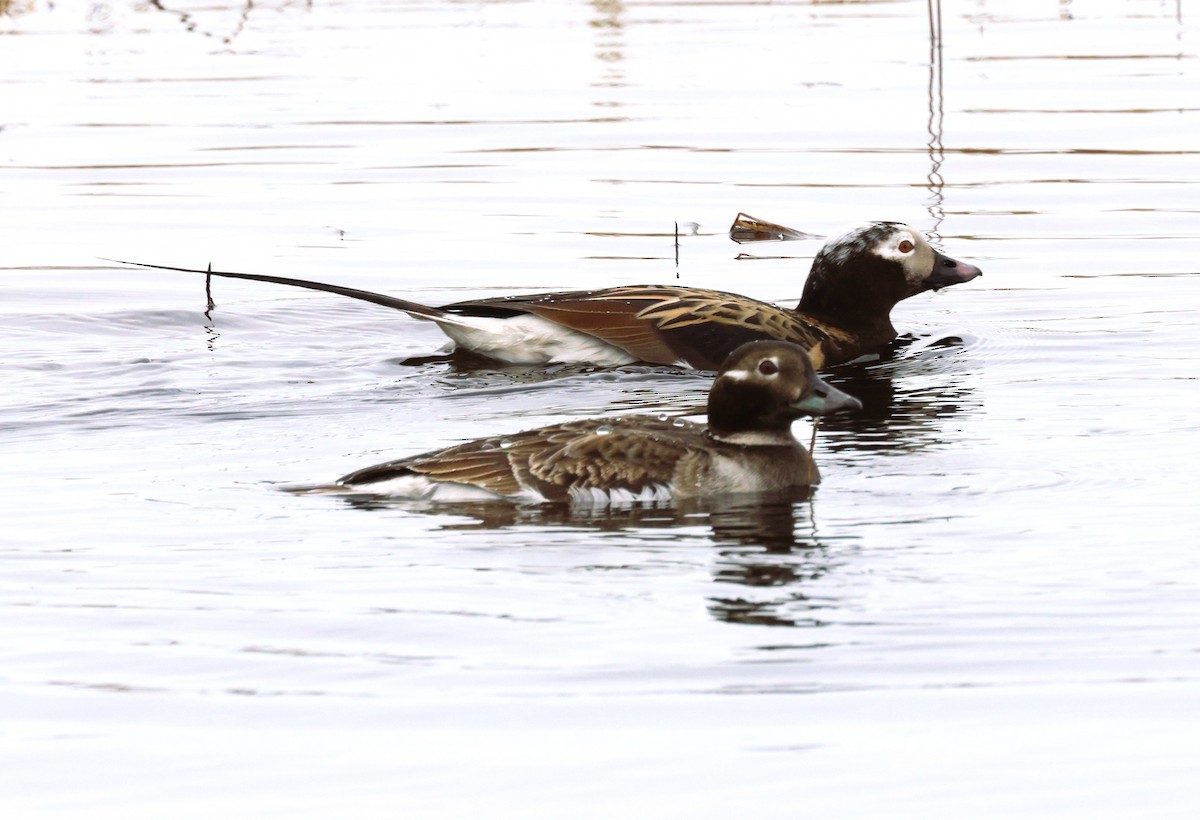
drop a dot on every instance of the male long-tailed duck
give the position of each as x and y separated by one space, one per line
855 281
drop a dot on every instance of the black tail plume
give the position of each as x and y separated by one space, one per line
415 308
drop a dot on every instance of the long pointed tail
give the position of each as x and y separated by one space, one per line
412 308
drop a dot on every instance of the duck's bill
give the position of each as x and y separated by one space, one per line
947 272
825 399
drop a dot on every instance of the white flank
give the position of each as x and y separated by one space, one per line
529 339
420 487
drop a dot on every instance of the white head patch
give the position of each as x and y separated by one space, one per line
887 240
843 246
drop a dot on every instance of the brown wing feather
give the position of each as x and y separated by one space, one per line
630 453
665 324
491 470
484 463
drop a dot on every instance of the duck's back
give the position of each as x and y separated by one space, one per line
626 458
665 324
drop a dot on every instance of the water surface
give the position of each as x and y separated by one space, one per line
988 609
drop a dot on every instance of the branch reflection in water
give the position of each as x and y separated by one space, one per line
937 114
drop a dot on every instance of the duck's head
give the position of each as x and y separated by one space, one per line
763 387
859 276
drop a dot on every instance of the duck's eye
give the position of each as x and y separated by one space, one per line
905 246
767 367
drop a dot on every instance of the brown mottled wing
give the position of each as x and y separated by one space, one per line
706 326
663 324
631 453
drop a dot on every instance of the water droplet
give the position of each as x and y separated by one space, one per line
487 445
505 443
604 429
679 423
663 416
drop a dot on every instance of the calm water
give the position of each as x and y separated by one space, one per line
991 608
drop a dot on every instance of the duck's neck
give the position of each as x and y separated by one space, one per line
855 302
755 438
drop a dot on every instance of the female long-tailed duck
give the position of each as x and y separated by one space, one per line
747 446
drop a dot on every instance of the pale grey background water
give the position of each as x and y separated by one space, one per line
990 608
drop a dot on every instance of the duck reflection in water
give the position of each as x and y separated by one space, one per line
754 519
766 543
908 395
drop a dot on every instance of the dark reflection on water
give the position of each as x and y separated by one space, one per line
768 520
787 605
775 573
767 544
576 389
874 380
475 375
897 415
